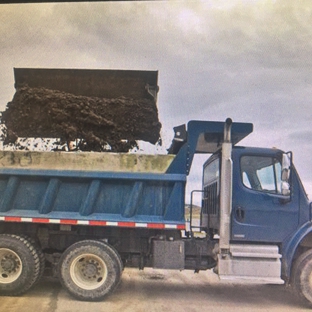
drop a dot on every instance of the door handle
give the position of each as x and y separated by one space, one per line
240 214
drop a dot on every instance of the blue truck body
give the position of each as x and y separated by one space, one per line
77 197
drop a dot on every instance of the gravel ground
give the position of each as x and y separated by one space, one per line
160 290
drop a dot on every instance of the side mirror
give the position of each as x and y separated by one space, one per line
286 164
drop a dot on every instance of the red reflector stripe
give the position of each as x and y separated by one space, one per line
155 226
126 224
13 219
98 223
40 220
65 221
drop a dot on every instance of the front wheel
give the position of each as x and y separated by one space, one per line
302 277
90 270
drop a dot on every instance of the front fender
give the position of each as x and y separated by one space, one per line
291 245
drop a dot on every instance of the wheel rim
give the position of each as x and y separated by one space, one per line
10 266
307 286
88 271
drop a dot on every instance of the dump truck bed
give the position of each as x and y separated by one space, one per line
91 189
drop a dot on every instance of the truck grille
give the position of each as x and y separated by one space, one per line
211 199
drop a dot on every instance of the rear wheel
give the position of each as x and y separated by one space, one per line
90 270
40 256
302 277
19 264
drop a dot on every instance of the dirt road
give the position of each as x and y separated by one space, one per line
159 290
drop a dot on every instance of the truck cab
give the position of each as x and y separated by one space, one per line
270 221
262 210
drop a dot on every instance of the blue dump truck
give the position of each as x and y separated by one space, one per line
84 216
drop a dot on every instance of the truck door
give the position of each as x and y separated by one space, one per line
260 211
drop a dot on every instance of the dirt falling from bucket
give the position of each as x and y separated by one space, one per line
96 122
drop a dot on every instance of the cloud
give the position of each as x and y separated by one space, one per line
208 54
301 135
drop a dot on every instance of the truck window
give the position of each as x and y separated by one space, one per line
261 173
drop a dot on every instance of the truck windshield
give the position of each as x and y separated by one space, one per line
262 173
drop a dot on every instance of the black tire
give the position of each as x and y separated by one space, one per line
42 262
116 254
301 280
118 259
40 256
90 270
19 265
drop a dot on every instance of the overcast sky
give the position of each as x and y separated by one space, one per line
248 60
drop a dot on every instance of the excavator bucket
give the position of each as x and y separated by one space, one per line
98 107
109 84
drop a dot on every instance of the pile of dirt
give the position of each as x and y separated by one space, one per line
96 122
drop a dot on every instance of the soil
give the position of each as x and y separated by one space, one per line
96 122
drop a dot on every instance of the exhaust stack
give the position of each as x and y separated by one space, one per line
226 189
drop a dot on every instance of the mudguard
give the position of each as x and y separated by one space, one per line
290 248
